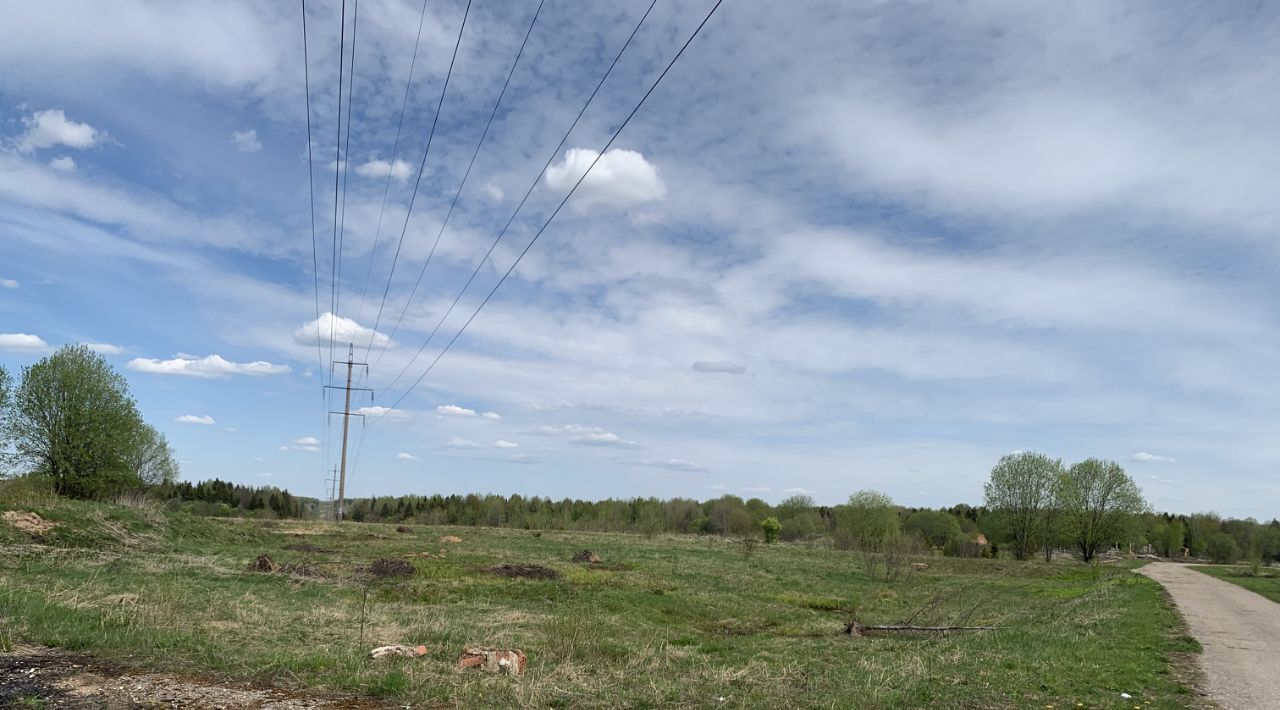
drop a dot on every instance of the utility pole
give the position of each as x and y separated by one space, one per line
346 423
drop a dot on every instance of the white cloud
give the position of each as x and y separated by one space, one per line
565 429
63 164
621 179
208 367
204 419
310 444
459 443
796 491
402 456
22 342
1144 457
453 410
523 459
377 412
729 368
52 127
247 141
400 172
757 489
105 348
492 191
718 487
669 464
606 438
9 283
504 444
307 441
341 329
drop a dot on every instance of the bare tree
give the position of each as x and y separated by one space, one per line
1022 490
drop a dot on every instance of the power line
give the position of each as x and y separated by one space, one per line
311 189
337 159
421 168
461 184
543 228
395 151
346 164
550 158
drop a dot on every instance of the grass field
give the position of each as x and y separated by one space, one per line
1267 583
661 622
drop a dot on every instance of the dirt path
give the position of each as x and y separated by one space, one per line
38 677
1240 632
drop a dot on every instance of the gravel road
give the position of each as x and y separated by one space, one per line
1240 632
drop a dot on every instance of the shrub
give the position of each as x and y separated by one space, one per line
1222 548
772 528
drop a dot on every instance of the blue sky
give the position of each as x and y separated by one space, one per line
843 246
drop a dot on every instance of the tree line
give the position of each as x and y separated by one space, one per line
71 420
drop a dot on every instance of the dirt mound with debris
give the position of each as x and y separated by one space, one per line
264 563
524 572
32 676
29 523
587 556
403 529
391 568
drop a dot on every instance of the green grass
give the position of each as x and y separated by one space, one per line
1267 583
666 622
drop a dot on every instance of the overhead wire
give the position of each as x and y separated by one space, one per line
467 174
555 152
346 163
337 158
421 168
395 152
560 206
311 190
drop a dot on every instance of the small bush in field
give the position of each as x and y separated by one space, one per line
772 529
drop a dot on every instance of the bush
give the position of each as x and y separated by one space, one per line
772 528
1222 548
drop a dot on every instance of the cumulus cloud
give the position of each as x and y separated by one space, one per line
247 141
406 456
22 342
52 127
9 283
203 419
309 444
1144 457
504 444
207 367
724 366
104 348
340 329
621 179
757 489
796 491
459 443
669 464
606 438
565 429
453 410
63 164
400 171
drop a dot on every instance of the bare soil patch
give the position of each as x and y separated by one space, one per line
49 678
524 572
309 548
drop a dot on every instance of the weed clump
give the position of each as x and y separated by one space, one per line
524 572
389 568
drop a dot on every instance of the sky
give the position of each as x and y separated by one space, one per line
843 245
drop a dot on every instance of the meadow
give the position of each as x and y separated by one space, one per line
660 621
1265 581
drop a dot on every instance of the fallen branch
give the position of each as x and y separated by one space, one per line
853 628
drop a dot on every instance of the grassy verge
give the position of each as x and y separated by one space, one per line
663 622
1267 583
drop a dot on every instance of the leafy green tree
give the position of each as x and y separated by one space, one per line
869 525
1099 504
771 527
934 527
799 517
1222 548
6 397
1022 492
1168 538
74 421
151 458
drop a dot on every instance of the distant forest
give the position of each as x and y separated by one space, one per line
961 530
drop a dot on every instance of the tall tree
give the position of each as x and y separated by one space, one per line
151 458
6 397
1022 491
74 421
1099 503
